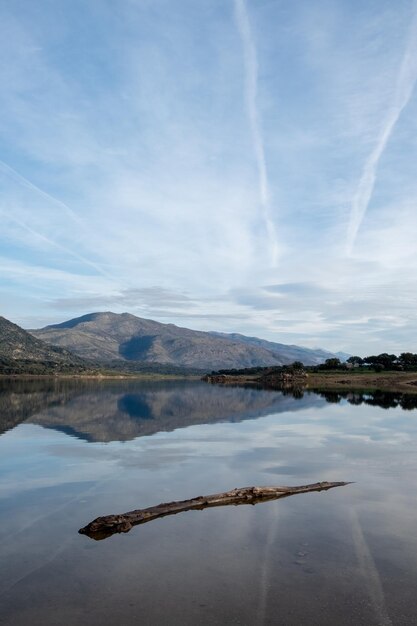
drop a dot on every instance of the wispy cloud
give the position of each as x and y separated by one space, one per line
406 81
163 158
251 93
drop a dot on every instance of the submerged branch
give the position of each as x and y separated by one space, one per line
104 527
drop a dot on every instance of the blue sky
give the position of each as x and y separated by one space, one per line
235 165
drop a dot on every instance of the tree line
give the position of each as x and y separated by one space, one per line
406 361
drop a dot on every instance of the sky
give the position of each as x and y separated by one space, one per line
233 165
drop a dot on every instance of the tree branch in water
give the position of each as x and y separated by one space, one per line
103 527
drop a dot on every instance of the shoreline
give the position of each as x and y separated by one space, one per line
405 382
394 381
100 377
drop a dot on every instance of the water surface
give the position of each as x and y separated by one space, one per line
70 451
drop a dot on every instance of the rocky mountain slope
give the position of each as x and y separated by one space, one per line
291 353
106 337
20 352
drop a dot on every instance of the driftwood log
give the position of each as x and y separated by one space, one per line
104 527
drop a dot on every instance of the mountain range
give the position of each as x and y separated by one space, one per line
114 338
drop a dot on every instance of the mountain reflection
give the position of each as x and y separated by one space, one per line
114 416
123 410
134 405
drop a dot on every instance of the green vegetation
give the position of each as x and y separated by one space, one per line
28 367
140 367
405 362
11 367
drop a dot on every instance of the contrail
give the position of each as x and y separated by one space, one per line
9 171
369 571
251 89
265 573
29 185
51 242
403 91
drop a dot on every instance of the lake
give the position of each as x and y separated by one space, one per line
73 450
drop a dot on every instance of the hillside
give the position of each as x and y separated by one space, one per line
20 352
107 337
290 353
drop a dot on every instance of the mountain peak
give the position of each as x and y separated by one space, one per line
89 317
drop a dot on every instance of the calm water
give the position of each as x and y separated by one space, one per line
70 452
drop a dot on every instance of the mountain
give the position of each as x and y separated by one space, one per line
110 337
20 352
290 353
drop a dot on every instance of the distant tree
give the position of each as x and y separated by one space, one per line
382 361
387 360
297 365
408 360
332 364
355 360
371 360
